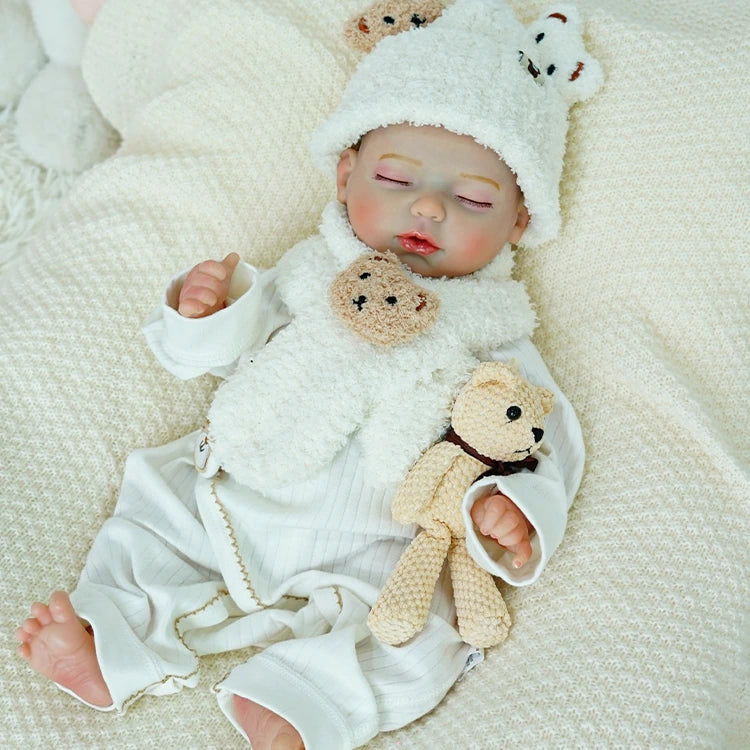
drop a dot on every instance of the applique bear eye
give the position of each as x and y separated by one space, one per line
513 413
390 20
365 275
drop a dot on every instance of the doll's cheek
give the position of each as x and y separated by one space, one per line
367 221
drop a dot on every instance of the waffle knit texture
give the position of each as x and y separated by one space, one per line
636 635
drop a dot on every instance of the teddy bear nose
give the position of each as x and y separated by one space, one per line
360 302
538 434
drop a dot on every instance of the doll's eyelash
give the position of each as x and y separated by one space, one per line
383 178
473 204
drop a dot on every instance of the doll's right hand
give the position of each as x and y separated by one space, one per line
206 287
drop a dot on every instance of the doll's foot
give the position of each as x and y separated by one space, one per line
57 645
265 729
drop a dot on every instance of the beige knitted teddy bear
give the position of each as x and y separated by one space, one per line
496 423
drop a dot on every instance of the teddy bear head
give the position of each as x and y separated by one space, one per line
555 55
378 301
499 414
387 17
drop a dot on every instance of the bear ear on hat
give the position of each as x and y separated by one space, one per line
388 17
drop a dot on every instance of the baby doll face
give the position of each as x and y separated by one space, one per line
443 203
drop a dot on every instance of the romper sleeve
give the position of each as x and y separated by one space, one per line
188 347
543 496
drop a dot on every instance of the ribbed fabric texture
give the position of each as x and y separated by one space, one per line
636 635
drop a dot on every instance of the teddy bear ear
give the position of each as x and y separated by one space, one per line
557 54
546 398
387 257
503 373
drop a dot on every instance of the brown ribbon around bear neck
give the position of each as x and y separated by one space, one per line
497 468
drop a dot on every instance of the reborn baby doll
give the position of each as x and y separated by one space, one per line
272 526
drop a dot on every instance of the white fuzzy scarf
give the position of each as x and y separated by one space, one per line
291 406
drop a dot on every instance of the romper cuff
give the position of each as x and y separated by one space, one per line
269 682
126 666
541 497
188 347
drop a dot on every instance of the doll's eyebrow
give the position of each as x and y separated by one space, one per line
403 158
480 178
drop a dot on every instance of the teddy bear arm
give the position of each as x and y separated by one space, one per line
483 618
415 495
402 608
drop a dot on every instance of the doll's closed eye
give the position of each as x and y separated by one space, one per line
472 203
392 180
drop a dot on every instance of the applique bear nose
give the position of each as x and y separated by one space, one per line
360 302
537 433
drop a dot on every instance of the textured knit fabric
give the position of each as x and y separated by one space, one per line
636 634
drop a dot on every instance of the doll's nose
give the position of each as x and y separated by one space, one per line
429 207
538 434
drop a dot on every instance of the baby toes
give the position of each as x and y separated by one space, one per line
41 613
29 629
60 608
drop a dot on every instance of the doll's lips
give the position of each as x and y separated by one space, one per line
416 242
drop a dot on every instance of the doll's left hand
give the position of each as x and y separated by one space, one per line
498 517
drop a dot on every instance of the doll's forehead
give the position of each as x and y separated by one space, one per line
412 143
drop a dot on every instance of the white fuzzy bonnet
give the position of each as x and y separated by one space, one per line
476 70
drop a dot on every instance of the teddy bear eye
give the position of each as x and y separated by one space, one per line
391 300
365 275
513 413
390 20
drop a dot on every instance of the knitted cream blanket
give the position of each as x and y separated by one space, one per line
637 633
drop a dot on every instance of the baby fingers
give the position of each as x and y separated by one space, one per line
523 553
510 534
209 270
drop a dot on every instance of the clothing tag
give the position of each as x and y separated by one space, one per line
476 656
202 458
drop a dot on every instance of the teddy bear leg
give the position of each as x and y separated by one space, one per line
402 608
483 618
